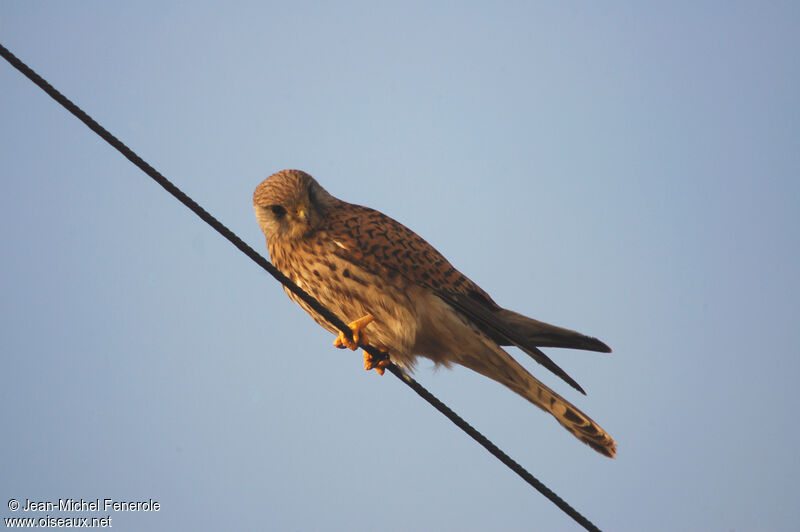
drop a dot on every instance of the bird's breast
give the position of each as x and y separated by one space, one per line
351 289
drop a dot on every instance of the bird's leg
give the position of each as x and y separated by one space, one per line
359 334
378 364
360 337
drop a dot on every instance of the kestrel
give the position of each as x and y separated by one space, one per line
367 267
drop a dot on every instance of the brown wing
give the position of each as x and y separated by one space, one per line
381 245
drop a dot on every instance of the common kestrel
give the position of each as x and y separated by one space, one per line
367 267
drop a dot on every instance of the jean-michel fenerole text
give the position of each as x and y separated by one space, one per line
91 505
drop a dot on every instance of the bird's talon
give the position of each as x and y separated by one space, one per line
378 365
341 341
359 334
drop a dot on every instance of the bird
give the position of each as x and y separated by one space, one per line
405 298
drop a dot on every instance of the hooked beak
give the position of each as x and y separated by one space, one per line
302 213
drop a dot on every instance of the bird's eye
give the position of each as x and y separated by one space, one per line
278 211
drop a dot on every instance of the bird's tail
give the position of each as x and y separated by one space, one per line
498 365
534 333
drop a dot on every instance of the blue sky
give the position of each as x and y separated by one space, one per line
627 170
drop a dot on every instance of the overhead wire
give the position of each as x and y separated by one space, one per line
286 282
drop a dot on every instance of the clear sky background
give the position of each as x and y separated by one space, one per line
628 170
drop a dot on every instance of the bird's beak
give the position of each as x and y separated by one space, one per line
302 213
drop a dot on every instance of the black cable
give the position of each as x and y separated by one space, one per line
285 281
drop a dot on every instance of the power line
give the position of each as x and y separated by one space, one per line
285 281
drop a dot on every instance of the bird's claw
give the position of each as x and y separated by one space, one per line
360 337
359 334
379 365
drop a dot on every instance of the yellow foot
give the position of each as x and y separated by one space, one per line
359 334
377 365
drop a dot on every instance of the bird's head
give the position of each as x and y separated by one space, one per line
290 204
